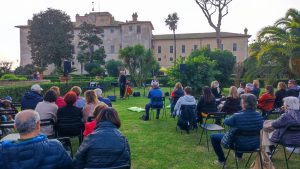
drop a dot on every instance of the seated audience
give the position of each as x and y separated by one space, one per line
256 89
266 101
280 94
175 95
241 89
112 148
60 100
32 98
273 129
154 93
249 88
206 104
187 99
101 99
32 150
215 89
91 103
90 126
80 102
47 109
246 120
293 89
154 80
232 103
69 112
6 105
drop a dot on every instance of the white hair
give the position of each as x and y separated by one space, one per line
292 102
98 92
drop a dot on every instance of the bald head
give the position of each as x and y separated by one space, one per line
26 121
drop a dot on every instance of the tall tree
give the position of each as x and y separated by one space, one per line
5 67
280 46
211 7
138 61
50 38
89 38
172 21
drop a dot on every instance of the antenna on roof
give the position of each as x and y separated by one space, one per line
93 6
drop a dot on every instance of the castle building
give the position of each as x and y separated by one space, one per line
118 34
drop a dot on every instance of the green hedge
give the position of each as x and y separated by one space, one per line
16 92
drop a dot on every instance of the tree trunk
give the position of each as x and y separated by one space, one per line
174 36
218 38
81 68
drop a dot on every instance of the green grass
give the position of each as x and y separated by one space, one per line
155 144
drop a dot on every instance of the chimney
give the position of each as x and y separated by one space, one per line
246 31
29 22
134 17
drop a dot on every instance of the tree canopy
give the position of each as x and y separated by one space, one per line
113 67
172 21
50 38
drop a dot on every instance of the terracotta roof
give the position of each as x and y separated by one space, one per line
198 35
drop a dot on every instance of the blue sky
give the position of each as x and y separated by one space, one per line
253 14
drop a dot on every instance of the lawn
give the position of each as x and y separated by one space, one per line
155 144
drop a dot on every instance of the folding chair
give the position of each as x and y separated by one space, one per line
5 126
155 106
187 118
244 133
8 112
66 142
70 128
211 127
290 129
48 123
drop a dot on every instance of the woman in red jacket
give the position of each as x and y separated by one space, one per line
266 101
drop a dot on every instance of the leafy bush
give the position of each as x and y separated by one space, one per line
26 70
12 77
16 92
94 69
113 67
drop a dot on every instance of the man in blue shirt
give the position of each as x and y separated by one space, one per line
156 102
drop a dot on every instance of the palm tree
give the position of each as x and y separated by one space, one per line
171 21
280 45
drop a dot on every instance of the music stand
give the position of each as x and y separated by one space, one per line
114 84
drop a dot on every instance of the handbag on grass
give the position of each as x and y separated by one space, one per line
266 162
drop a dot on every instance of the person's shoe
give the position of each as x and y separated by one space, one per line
219 163
157 117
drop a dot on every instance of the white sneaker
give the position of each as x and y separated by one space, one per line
290 149
220 164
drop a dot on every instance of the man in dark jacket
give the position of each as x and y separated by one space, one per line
293 89
32 150
246 120
32 98
122 83
155 96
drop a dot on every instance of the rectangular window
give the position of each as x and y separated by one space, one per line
208 46
159 49
171 49
159 59
183 49
130 28
222 46
112 30
138 29
171 58
112 49
234 47
195 47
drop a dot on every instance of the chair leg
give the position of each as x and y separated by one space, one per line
286 160
207 140
291 153
201 135
236 162
226 158
248 160
261 160
273 152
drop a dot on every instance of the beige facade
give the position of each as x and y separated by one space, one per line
117 35
163 45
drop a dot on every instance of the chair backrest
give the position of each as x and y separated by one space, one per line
7 125
69 127
47 122
216 115
249 134
12 112
187 117
157 101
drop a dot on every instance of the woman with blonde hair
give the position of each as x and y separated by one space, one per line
175 95
59 100
256 89
80 102
280 94
232 103
91 102
215 89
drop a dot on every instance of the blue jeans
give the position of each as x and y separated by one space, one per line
216 143
147 109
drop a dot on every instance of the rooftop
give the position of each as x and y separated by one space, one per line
198 35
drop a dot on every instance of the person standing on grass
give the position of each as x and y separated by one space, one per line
33 150
122 84
246 120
